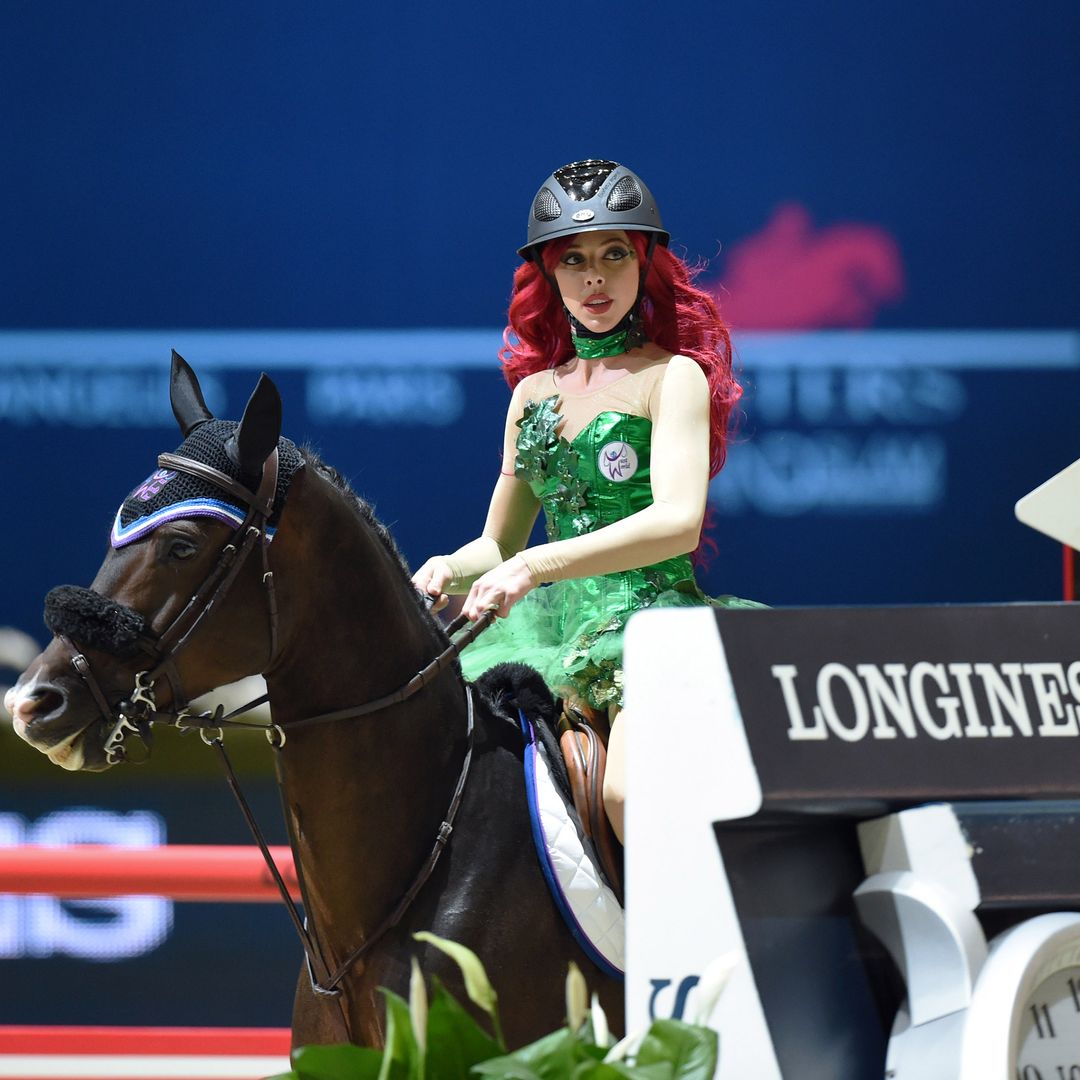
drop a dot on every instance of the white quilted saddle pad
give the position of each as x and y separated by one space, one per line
588 905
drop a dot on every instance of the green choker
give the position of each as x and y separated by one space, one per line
594 348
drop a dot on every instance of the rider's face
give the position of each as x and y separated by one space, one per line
598 278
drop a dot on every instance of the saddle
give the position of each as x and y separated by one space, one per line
583 739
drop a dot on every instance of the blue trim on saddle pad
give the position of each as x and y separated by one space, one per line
587 905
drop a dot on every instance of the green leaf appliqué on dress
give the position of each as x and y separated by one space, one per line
548 462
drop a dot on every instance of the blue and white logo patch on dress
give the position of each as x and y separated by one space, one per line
618 461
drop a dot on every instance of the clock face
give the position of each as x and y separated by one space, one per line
1023 1022
1049 1035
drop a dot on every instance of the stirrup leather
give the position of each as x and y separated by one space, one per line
585 754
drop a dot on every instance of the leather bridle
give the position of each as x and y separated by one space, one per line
135 714
139 711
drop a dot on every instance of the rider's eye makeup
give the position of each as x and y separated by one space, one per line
573 257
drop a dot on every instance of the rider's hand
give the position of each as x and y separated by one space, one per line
433 578
498 590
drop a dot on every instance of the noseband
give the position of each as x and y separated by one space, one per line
79 614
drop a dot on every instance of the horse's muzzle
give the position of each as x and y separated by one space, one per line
40 717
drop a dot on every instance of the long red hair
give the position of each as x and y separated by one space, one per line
677 316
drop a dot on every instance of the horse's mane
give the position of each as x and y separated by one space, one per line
364 510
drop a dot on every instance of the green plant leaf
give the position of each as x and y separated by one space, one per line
401 1059
599 1070
341 1062
481 992
551 1058
504 1068
455 1040
691 1050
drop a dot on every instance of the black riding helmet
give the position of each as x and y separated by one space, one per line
586 196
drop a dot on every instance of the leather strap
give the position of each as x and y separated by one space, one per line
261 501
327 982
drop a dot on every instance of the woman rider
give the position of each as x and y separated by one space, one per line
622 394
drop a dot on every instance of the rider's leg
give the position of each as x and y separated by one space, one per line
615 773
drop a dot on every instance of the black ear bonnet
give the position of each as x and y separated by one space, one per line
167 494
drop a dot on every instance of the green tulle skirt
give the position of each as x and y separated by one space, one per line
572 633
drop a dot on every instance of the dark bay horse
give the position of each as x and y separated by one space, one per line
326 613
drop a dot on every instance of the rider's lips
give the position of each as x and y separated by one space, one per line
599 303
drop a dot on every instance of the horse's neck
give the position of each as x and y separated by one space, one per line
365 795
348 623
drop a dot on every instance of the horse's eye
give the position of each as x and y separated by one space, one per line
180 549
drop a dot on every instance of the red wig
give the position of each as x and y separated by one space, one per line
677 316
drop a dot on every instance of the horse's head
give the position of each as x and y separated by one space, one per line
189 550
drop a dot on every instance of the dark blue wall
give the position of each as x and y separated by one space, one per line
183 167
341 164
337 165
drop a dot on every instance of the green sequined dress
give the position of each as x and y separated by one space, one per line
572 631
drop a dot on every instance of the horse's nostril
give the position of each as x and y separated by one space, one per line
41 701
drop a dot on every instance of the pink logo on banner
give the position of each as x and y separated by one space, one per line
791 276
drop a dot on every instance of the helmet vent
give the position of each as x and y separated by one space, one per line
581 180
546 206
625 195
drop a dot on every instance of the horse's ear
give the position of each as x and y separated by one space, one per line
188 405
258 432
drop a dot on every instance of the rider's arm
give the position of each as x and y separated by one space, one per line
680 480
511 514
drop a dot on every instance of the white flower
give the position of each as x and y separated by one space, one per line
711 985
601 1035
418 1006
624 1048
577 998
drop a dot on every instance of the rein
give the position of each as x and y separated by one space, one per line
136 714
330 987
214 721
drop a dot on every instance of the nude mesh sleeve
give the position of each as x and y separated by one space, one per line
510 518
680 478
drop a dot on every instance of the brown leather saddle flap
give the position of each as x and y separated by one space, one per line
586 758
